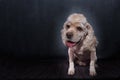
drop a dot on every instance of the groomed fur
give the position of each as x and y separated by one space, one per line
81 42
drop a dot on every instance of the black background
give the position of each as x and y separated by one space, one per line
31 28
30 39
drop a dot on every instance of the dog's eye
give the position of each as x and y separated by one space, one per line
67 26
79 29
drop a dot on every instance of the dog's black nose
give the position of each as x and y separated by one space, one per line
69 35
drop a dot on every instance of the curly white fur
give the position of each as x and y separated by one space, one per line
85 42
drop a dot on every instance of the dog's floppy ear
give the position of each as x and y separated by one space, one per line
61 31
87 25
62 34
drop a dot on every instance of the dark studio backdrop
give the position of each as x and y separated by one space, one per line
31 28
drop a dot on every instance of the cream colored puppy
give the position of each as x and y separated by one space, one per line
78 35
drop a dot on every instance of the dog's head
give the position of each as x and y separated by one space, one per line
74 29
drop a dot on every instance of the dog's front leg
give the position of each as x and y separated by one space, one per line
92 63
71 69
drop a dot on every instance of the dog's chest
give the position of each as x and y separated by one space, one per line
82 55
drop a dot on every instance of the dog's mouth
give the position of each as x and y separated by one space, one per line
70 43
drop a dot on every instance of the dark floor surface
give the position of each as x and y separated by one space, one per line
37 69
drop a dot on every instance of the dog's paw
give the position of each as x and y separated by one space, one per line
92 72
71 71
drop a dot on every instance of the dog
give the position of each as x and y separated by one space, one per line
78 35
